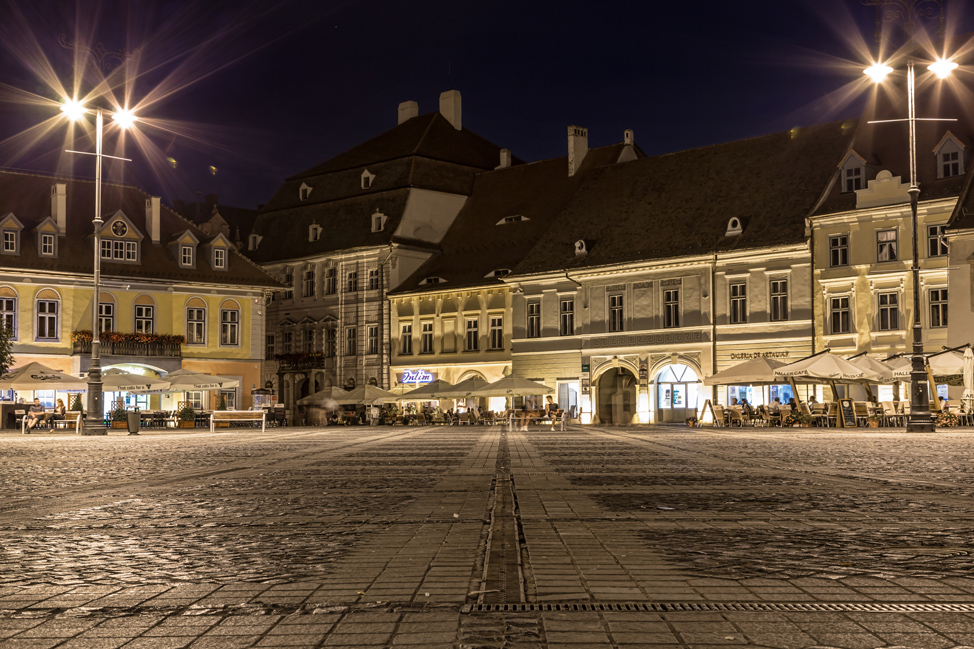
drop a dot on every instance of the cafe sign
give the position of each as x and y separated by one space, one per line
416 376
749 355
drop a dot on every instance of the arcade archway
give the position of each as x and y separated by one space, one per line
677 393
616 396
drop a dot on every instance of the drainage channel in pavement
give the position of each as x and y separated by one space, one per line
759 607
503 577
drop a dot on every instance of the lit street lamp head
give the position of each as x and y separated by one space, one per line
942 67
878 72
124 117
73 109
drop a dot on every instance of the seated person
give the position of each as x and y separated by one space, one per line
775 406
59 411
529 412
36 414
793 403
551 410
944 406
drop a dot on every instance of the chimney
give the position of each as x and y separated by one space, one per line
407 111
152 218
577 147
450 108
628 137
505 159
59 206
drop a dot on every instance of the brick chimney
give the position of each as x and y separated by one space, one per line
629 137
152 218
505 159
59 206
577 147
450 108
407 111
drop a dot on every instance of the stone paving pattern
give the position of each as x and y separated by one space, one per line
384 537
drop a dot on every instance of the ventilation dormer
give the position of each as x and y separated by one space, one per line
498 273
949 154
852 173
516 218
378 221
314 232
253 241
367 179
581 248
432 280
304 191
734 227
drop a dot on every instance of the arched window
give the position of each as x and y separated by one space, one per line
145 314
229 324
8 310
47 308
195 321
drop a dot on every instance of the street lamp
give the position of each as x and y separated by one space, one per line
75 110
920 420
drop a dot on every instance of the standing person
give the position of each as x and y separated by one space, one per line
36 413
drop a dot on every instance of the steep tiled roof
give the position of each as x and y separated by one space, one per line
963 214
680 203
28 196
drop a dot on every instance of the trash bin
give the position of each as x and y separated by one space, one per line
133 420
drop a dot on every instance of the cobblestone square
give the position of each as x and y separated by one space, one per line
477 537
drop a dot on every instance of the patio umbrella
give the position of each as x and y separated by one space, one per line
754 371
466 388
827 367
968 396
367 395
947 367
879 367
35 376
116 380
191 381
429 392
511 386
329 398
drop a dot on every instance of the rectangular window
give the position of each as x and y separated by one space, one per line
144 315
196 326
219 258
286 342
229 327
350 342
289 284
779 300
938 307
372 332
269 346
853 179
106 249
131 251
229 399
351 282
106 316
888 311
118 250
738 303
936 247
886 245
426 338
330 282
473 335
496 333
9 241
308 288
8 315
47 244
566 324
331 342
374 280
671 308
534 320
309 341
406 339
839 251
615 313
47 320
951 164
195 399
839 315
186 255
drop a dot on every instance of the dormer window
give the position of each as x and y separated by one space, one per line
47 244
304 191
117 250
513 219
220 258
734 227
432 280
500 272
852 179
378 221
10 242
852 173
253 241
367 179
186 256
314 232
950 156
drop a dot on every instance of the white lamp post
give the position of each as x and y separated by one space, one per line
920 420
94 423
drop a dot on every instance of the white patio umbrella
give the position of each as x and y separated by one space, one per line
826 367
947 367
328 398
751 372
115 380
192 381
879 367
35 376
511 386
466 388
429 392
368 395
968 396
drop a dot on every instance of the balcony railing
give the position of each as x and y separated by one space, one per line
297 362
129 348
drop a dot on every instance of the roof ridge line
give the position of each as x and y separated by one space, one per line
426 132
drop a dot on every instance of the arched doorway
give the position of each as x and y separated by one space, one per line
677 393
617 396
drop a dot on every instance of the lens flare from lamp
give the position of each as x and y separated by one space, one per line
877 71
124 117
942 67
73 109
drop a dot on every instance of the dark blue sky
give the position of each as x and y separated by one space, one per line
283 86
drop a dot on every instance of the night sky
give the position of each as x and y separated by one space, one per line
263 90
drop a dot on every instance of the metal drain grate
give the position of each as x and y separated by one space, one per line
763 607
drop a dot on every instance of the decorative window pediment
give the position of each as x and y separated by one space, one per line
949 154
121 241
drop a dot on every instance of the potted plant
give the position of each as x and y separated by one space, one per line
875 421
76 408
221 404
119 418
691 421
797 418
186 417
945 419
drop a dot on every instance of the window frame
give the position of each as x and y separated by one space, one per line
140 319
737 302
14 238
532 325
838 248
220 258
566 316
372 339
373 281
269 346
671 308
778 303
351 281
890 246
888 311
495 333
406 339
471 335
938 309
852 179
48 238
186 252
229 329
616 313
935 244
308 282
48 316
841 310
331 281
950 164
351 341
110 317
10 314
426 340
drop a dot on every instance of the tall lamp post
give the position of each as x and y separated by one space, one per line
94 424
920 420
